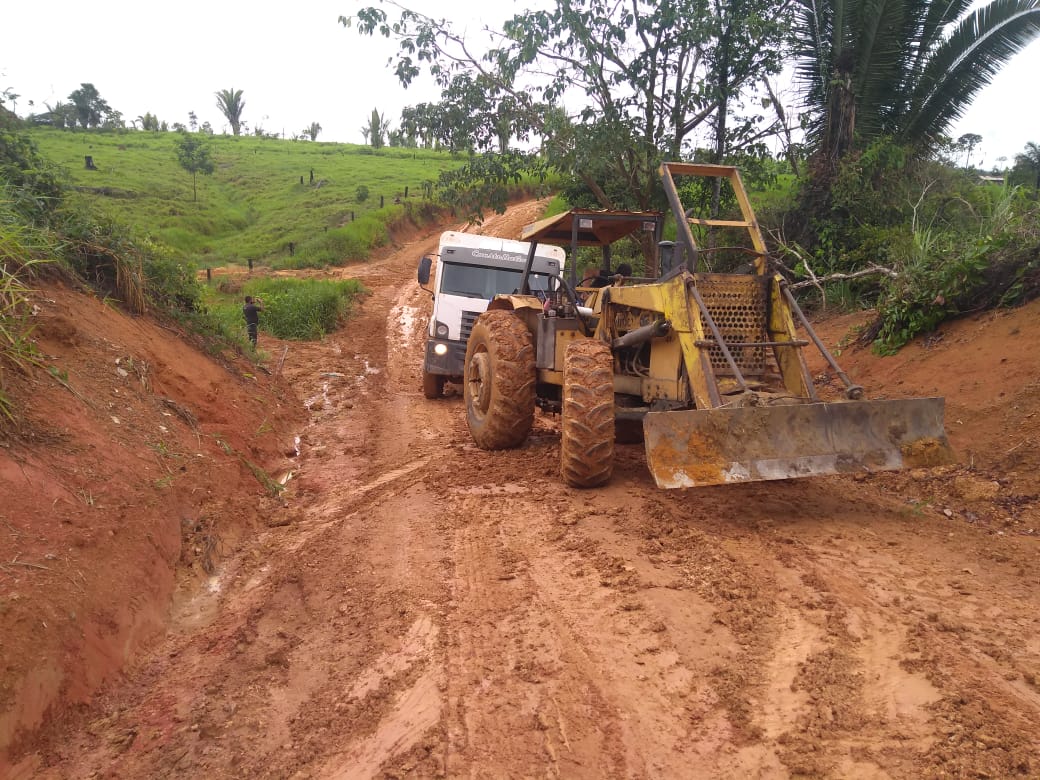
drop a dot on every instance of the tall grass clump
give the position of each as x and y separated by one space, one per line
22 250
302 309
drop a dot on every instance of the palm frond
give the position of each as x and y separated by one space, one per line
967 61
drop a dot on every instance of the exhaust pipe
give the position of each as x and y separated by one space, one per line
643 334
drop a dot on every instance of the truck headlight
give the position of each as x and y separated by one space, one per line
441 331
440 349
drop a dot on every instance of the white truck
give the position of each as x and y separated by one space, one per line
471 270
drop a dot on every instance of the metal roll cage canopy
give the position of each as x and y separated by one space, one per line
585 227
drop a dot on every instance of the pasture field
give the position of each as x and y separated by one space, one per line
264 193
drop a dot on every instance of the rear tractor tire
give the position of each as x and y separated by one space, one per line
587 440
499 383
432 385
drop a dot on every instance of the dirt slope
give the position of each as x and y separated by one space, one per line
423 608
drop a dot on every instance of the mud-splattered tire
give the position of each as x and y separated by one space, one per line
432 385
587 441
499 384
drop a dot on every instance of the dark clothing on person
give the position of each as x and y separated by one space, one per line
251 311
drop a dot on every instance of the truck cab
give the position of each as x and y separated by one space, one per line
470 271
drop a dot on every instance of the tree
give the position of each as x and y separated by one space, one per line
1029 162
901 68
231 105
193 121
968 142
90 108
376 129
8 94
312 131
646 74
193 154
149 122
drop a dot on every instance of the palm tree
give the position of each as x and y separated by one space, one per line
312 131
1029 160
903 68
231 105
376 129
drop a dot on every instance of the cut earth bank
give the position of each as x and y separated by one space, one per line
410 605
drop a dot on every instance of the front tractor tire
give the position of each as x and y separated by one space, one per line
499 384
587 440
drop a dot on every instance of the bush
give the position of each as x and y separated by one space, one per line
361 194
948 273
303 309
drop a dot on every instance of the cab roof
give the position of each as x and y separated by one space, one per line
593 228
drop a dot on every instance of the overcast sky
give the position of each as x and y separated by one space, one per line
296 64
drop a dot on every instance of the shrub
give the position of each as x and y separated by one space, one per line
303 309
361 194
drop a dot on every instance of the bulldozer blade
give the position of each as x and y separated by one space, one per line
753 443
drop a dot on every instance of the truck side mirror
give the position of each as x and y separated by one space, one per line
424 270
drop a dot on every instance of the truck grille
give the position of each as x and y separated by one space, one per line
468 318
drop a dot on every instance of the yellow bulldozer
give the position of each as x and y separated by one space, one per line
710 365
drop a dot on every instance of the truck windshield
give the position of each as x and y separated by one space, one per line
475 281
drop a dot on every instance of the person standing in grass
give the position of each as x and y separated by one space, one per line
251 311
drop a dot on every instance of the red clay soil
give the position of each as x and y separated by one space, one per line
412 606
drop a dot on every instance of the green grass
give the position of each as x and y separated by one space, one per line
254 204
295 309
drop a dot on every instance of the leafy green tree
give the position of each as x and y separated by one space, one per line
193 154
193 121
376 129
1028 162
650 75
89 106
901 68
231 105
149 122
312 130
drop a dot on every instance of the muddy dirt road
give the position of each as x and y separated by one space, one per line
420 608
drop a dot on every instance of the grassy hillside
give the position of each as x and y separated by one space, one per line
254 203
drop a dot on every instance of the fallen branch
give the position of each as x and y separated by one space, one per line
818 281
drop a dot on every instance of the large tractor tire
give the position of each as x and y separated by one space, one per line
432 384
499 384
587 442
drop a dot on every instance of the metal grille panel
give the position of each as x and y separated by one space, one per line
738 304
468 319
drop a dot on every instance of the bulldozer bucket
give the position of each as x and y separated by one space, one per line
753 443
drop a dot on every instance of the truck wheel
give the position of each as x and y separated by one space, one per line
499 383
432 385
587 441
